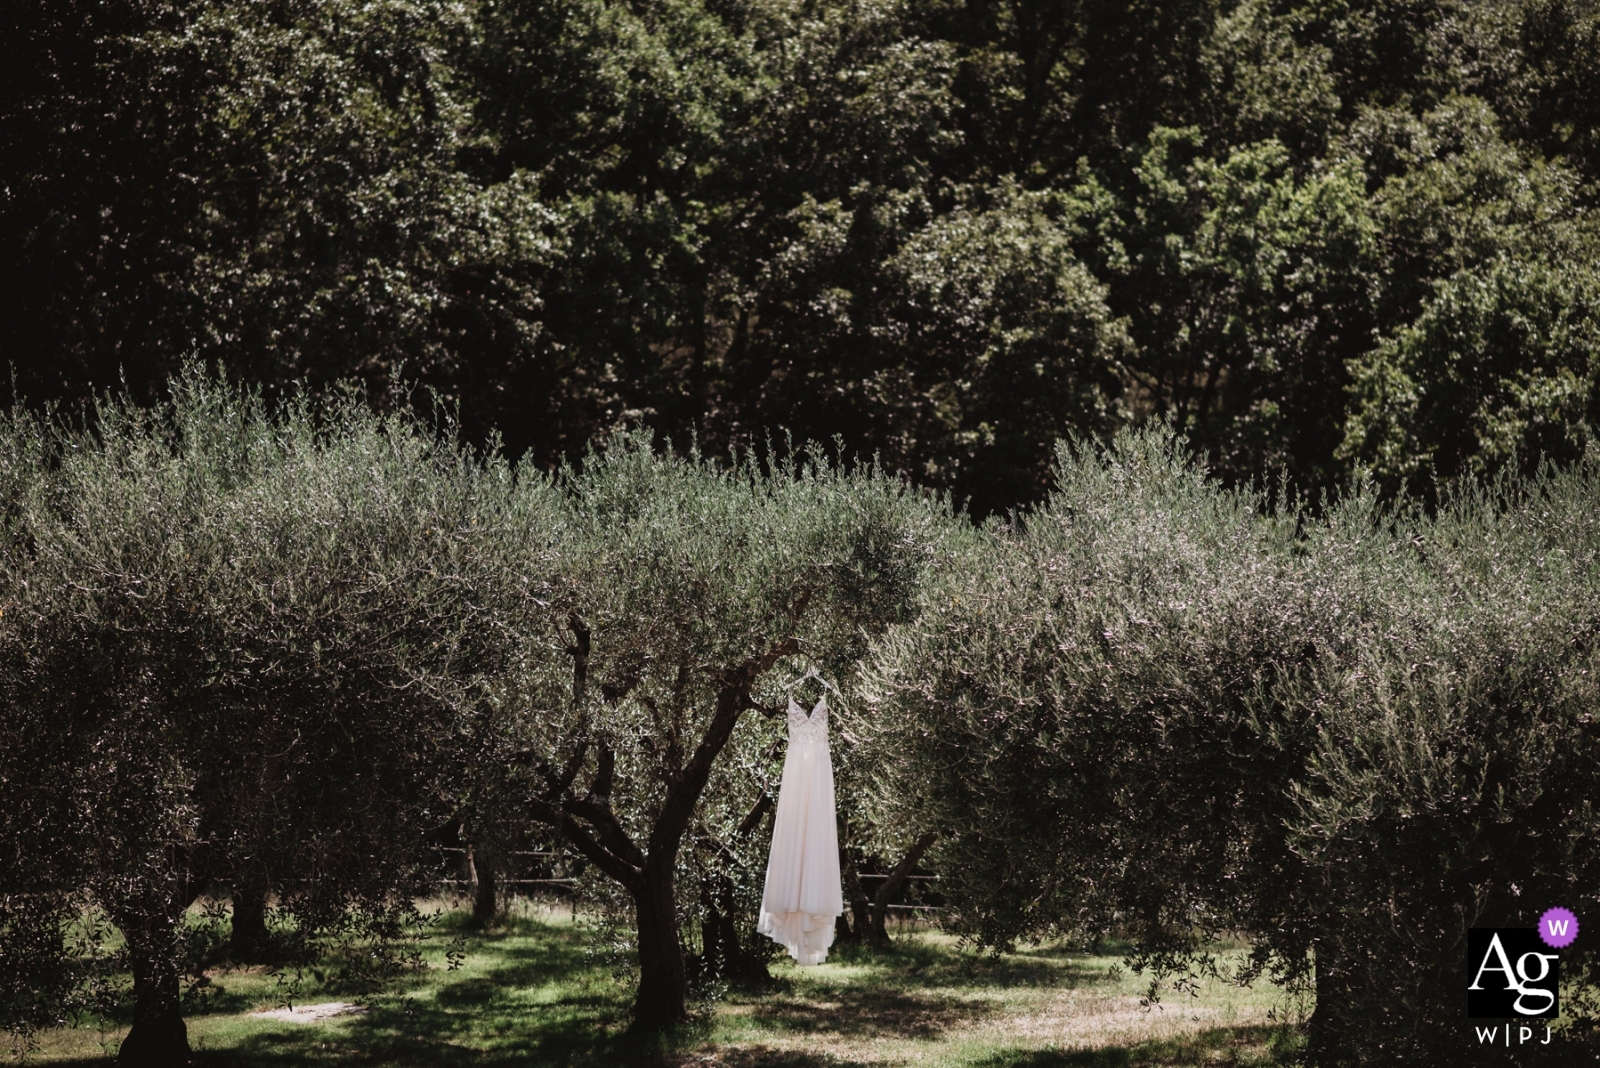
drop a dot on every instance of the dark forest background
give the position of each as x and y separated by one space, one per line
1314 236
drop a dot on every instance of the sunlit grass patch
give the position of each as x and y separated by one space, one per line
527 993
927 1002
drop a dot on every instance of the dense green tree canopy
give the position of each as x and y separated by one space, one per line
943 231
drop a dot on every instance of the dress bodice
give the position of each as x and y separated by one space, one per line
812 728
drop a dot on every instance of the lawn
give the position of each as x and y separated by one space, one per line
527 993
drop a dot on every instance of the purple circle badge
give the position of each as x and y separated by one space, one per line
1558 928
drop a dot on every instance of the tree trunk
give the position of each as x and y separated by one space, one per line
647 873
892 885
722 951
249 940
1330 1020
662 978
713 927
484 904
860 928
723 955
860 912
158 1038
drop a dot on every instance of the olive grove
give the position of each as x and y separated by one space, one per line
238 653
253 651
1160 708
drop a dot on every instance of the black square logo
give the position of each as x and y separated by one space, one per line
1512 974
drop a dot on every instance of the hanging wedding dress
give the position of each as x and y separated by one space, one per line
802 896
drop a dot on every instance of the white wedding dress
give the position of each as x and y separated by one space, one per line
802 896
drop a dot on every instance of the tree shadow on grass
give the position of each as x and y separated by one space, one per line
869 1014
933 966
395 1038
481 1020
1221 1046
566 1044
541 1001
911 990
765 1057
414 1041
541 1004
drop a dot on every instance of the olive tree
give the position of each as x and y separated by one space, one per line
1161 708
683 586
1451 781
238 649
1029 710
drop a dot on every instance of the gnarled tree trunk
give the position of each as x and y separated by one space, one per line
1327 1031
249 940
860 926
663 982
722 951
159 1038
485 899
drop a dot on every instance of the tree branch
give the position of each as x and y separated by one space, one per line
619 869
621 859
752 819
595 807
580 657
604 776
798 609
607 829
614 692
733 698
559 784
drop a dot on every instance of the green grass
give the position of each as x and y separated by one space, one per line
527 994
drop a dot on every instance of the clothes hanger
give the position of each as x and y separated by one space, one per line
813 673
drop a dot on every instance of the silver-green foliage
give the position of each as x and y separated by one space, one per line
253 647
235 645
685 589
1166 709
